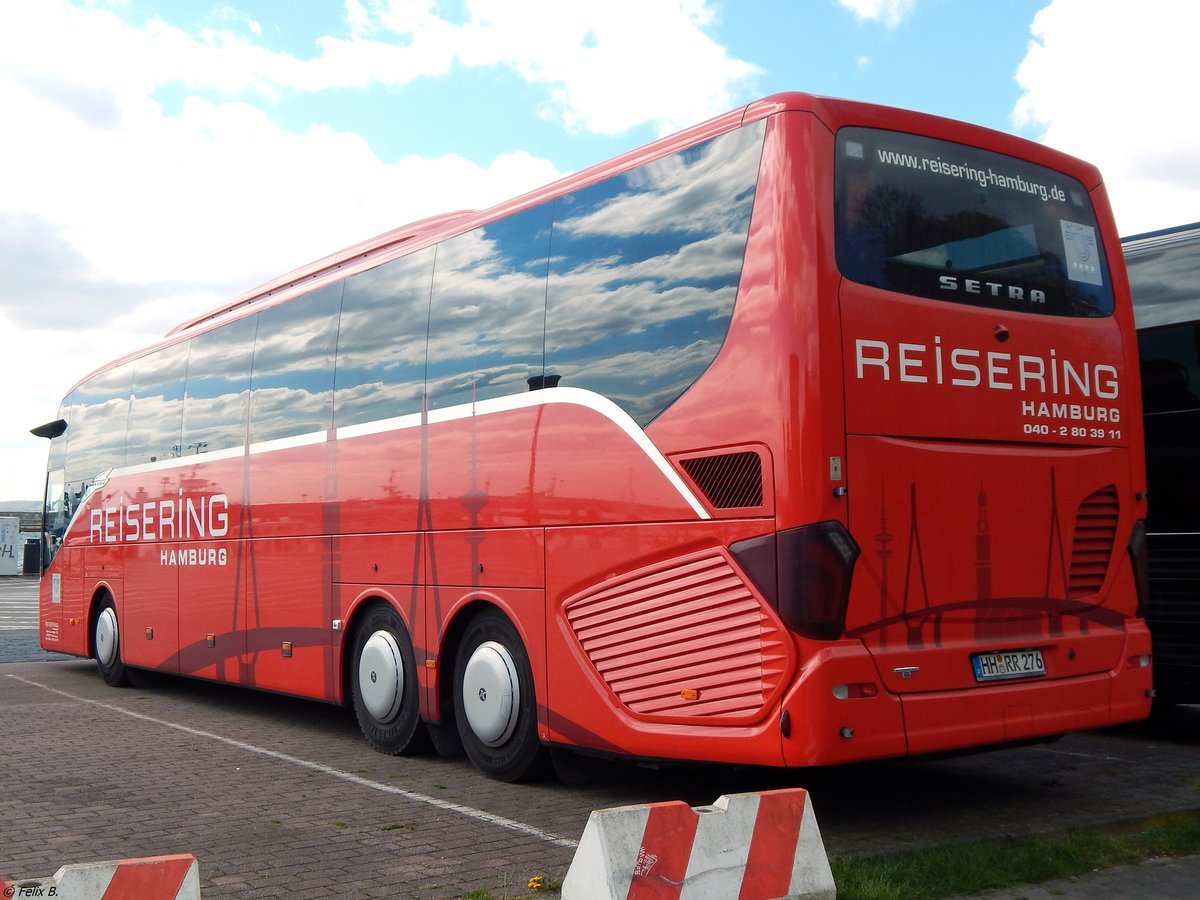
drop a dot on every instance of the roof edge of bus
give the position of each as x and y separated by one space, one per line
1160 235
830 110
361 250
418 233
442 224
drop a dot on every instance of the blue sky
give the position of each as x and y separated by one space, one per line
476 111
163 156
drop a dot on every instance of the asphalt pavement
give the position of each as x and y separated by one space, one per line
1155 879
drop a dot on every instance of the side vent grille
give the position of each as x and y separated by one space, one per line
685 640
729 480
1095 535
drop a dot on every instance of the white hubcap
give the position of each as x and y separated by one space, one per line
381 676
106 637
491 693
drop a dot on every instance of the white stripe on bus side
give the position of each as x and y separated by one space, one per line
561 395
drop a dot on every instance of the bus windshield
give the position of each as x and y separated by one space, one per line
950 222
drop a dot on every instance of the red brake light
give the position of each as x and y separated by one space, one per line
1139 558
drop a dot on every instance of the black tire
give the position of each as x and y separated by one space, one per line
383 675
106 645
494 702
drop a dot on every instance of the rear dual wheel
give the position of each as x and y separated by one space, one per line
494 702
384 682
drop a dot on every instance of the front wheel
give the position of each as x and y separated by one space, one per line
385 682
494 702
106 645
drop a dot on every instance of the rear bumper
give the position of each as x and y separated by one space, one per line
830 731
1002 714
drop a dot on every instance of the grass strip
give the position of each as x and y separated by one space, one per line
972 868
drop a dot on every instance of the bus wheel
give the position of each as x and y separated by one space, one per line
385 682
494 702
106 644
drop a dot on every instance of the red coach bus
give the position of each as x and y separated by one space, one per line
808 435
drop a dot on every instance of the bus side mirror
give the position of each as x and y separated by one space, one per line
50 429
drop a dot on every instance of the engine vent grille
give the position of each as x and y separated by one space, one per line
685 640
1095 535
728 480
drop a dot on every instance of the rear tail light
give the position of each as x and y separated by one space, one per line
859 691
805 573
1139 559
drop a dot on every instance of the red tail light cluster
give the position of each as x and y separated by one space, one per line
1139 558
805 572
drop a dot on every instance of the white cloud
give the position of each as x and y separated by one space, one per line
603 73
1111 83
118 218
121 214
890 12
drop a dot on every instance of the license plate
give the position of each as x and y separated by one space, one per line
1008 664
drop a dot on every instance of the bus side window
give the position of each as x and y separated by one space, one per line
381 341
156 410
56 514
292 380
1170 368
97 413
218 387
644 273
488 317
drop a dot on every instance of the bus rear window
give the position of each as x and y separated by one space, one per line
950 222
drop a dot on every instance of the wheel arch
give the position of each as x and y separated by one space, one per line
101 594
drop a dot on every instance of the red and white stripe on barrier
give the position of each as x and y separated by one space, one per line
175 877
755 846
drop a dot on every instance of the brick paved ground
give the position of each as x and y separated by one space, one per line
277 796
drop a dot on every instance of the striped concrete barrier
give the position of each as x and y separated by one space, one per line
755 846
175 877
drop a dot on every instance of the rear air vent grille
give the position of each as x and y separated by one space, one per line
683 640
1095 535
728 480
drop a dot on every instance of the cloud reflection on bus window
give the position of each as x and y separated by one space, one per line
218 387
292 380
96 413
644 271
1166 284
156 410
488 310
381 345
